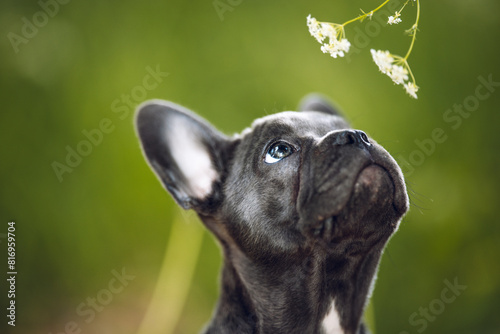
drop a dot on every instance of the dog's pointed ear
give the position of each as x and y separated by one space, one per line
183 150
316 102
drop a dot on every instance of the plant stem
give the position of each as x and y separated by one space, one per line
415 27
399 11
365 14
411 73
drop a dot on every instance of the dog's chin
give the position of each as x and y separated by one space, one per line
372 207
372 197
375 180
373 189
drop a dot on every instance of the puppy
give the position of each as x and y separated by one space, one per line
301 204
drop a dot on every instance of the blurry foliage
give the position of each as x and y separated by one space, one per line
110 212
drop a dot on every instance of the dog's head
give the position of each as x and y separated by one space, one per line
291 180
302 205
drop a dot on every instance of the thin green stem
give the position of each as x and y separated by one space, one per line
341 34
398 60
361 17
411 73
399 11
414 28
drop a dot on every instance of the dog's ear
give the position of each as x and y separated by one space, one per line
182 149
316 102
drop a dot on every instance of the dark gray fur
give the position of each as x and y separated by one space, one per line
296 234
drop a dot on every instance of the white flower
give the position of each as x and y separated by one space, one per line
328 30
383 59
327 34
315 28
398 74
336 48
394 19
327 48
395 68
411 89
344 45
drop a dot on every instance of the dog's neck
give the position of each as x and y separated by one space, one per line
318 293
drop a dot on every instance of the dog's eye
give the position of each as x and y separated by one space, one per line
278 152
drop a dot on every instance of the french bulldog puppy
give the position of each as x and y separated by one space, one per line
301 204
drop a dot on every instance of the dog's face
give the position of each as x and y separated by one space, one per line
291 179
305 175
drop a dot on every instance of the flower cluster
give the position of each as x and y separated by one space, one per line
394 19
396 68
330 35
332 38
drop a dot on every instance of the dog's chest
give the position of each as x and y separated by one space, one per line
331 322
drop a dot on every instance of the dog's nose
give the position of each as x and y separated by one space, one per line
352 137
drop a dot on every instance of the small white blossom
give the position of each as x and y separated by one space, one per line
383 59
344 45
315 28
385 63
328 48
394 19
336 48
395 68
411 89
328 35
328 30
398 74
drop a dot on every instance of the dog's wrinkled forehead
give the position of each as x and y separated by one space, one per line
298 124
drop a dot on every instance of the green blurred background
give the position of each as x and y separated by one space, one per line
109 214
